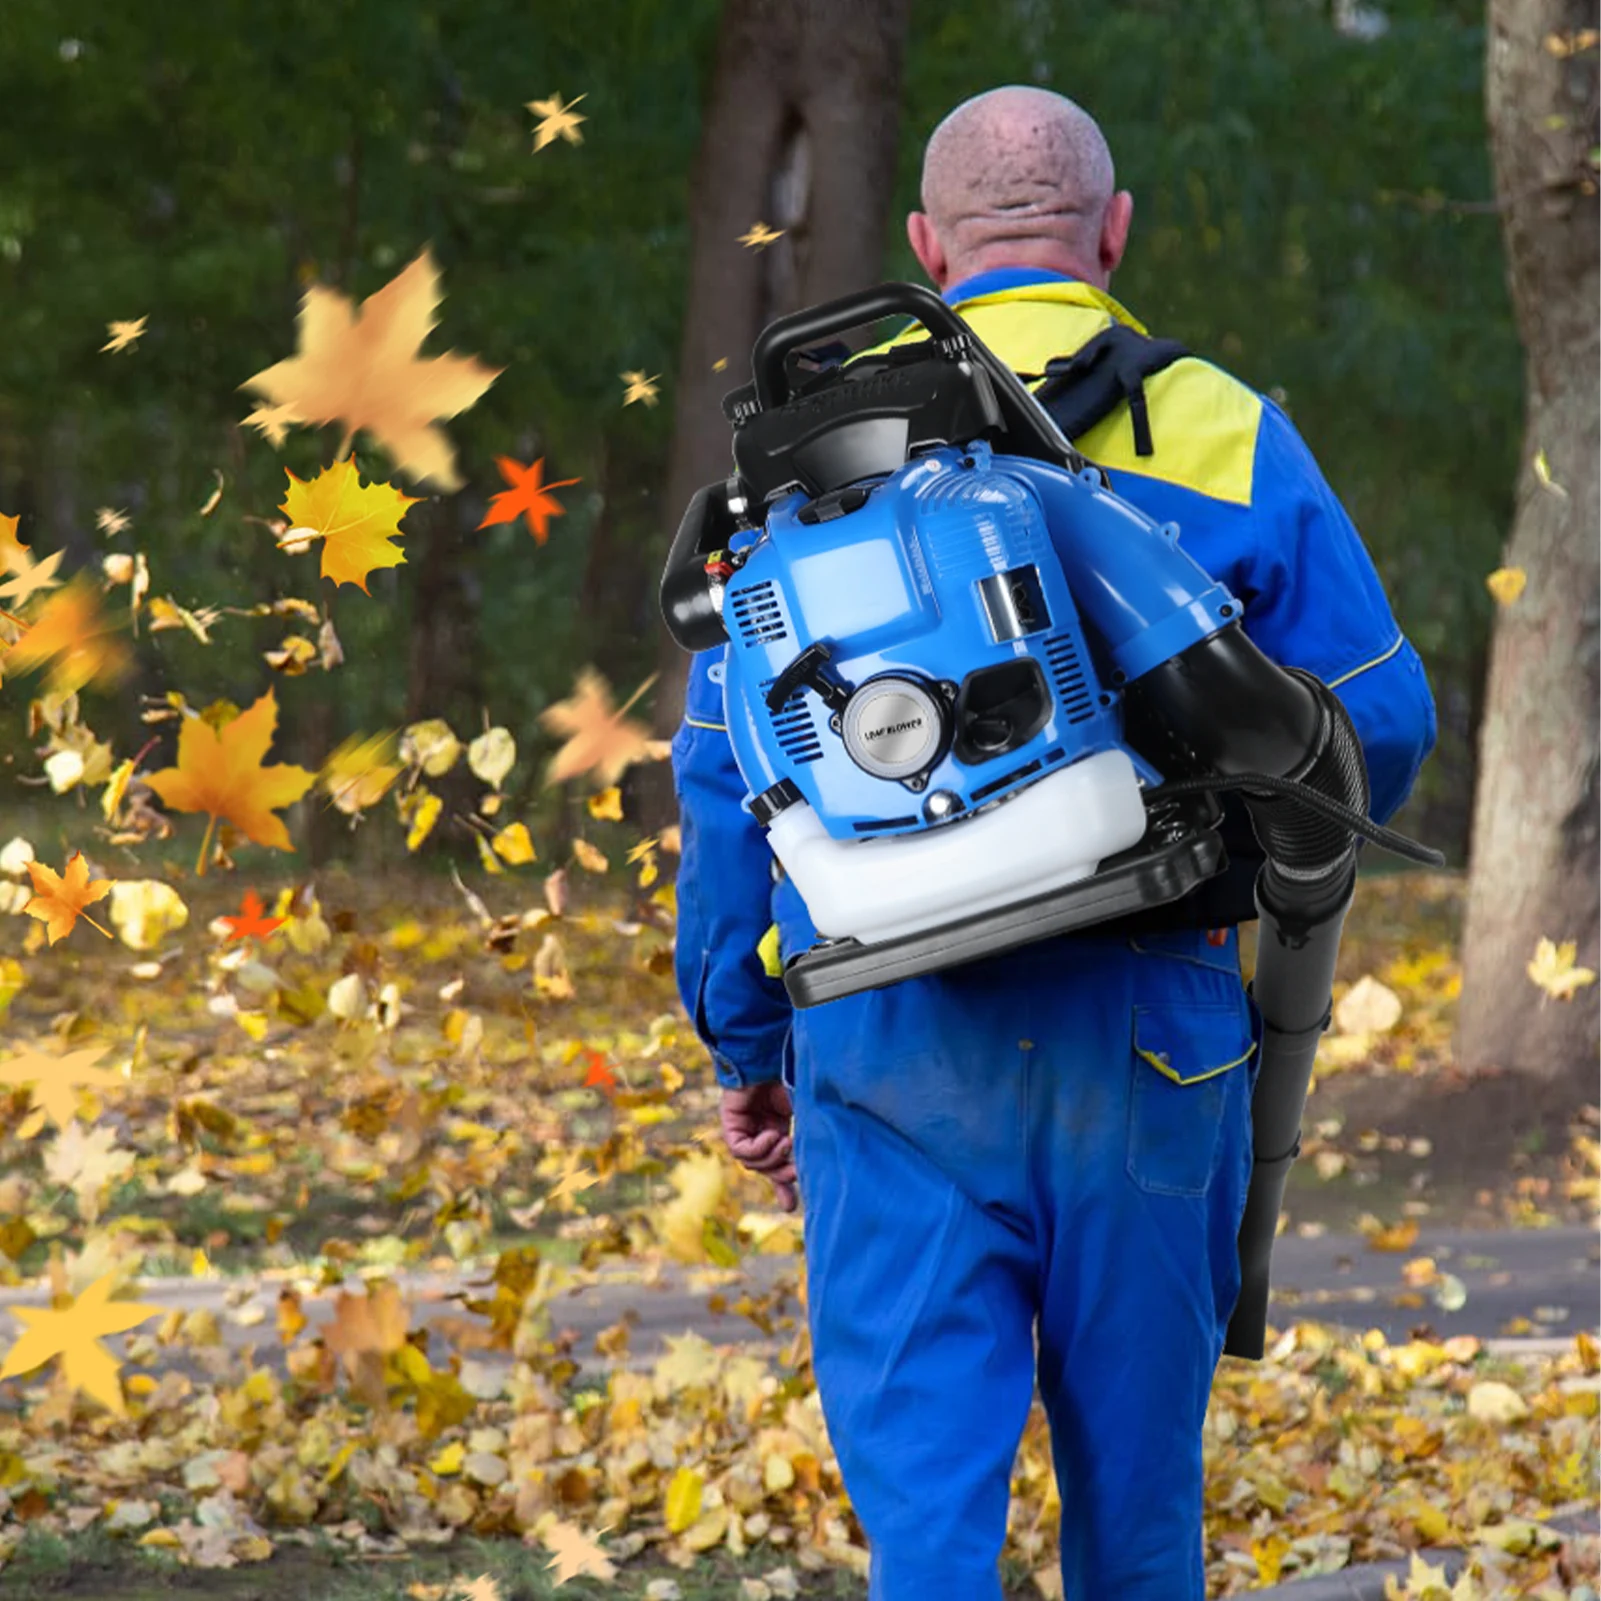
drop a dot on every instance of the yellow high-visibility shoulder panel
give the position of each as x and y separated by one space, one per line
1203 422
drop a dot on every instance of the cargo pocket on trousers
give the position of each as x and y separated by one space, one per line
1186 1058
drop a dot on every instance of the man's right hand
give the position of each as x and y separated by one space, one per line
756 1130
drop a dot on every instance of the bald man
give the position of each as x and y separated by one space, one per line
1059 1135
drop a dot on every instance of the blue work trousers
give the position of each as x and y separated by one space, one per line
1058 1137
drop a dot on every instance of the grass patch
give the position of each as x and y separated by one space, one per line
95 1566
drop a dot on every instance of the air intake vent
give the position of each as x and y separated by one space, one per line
758 614
1078 705
797 733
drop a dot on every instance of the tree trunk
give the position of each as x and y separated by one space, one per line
799 132
1532 870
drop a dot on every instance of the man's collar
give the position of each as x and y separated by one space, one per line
987 283
1057 286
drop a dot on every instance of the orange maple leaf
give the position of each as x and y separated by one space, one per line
59 898
249 923
600 1076
355 521
601 740
70 633
364 1331
220 771
527 495
361 368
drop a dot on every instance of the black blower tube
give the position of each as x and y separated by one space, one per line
1232 710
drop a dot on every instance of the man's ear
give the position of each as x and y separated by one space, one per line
1114 230
926 247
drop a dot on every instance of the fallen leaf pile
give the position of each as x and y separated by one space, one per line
443 1108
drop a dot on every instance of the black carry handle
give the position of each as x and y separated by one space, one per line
1029 428
800 328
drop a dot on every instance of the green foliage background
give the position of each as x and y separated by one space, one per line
1295 221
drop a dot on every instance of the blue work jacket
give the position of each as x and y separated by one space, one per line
1252 508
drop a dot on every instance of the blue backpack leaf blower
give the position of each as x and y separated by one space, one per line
979 700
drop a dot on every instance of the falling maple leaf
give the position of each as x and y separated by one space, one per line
577 1555
1554 971
110 522
56 1081
361 368
123 334
1505 583
85 1161
574 1180
32 576
360 772
70 633
600 740
759 234
558 121
13 553
274 422
355 521
59 898
248 923
72 1333
219 771
640 387
600 1076
527 496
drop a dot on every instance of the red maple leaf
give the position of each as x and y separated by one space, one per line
599 1074
249 920
526 496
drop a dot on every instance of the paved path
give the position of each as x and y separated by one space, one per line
1551 1277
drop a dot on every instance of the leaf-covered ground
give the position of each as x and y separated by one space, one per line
389 1080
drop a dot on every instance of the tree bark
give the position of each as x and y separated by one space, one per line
799 132
1532 869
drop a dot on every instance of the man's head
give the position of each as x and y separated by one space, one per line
1019 177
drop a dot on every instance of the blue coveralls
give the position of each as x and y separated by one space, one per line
1060 1134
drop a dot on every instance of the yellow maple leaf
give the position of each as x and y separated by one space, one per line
607 804
72 1334
1506 584
123 334
32 576
355 521
574 1180
59 898
361 368
220 771
640 387
13 553
600 740
558 121
759 234
56 1080
1553 970
109 522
